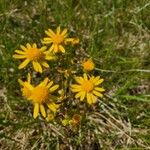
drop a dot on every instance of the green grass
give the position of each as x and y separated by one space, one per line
115 33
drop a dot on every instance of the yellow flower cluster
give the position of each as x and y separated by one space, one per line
44 95
39 56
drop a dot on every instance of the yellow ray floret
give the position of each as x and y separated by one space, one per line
26 87
58 39
31 53
88 88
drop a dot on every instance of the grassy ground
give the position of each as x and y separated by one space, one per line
115 33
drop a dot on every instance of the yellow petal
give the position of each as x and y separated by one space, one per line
80 80
58 30
24 63
50 57
47 39
94 100
75 41
42 109
19 56
46 42
49 84
51 33
21 82
53 88
97 93
52 107
28 46
35 66
82 96
42 49
51 48
45 64
99 81
29 78
95 79
34 45
89 100
75 86
19 52
45 81
38 67
36 110
23 48
64 32
85 76
61 48
69 39
78 94
92 78
55 48
99 89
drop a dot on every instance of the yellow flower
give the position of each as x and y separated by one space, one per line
41 94
87 87
88 65
26 87
57 40
31 53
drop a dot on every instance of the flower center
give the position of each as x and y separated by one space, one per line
34 54
87 86
57 39
40 94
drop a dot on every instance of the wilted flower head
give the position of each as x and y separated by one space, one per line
75 120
